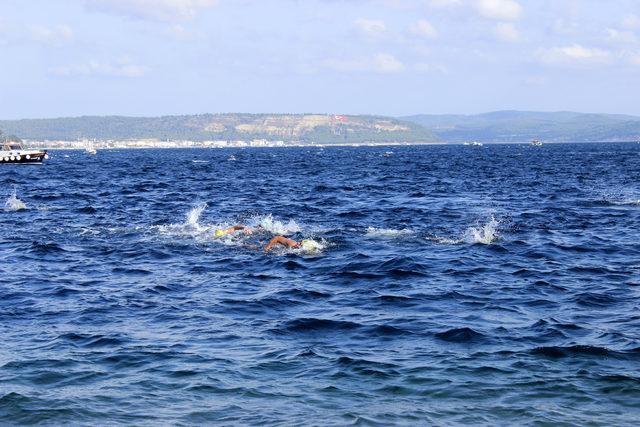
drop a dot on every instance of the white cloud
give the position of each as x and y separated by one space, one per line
574 55
618 36
122 68
423 28
501 10
371 27
54 35
506 32
380 63
152 10
631 22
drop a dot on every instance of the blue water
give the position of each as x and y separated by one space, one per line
454 285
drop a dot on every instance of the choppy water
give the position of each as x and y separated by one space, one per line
455 285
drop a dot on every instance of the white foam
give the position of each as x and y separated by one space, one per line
274 226
483 234
445 240
387 232
14 204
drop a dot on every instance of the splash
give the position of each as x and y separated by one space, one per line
190 227
14 204
387 232
483 234
274 226
193 217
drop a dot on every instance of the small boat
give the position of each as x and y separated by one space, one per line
536 143
474 144
89 148
14 152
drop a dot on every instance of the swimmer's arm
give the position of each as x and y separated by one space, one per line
281 240
234 228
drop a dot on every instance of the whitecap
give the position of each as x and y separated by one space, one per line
622 197
445 240
387 232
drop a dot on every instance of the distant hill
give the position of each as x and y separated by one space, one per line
520 126
319 128
11 138
499 126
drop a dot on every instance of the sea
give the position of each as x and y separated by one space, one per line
447 285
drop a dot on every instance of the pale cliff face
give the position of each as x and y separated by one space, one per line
298 125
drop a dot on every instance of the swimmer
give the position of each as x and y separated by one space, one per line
306 244
221 232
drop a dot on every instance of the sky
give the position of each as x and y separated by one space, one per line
389 57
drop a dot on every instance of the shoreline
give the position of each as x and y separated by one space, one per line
122 145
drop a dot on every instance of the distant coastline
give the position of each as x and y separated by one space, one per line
182 144
278 130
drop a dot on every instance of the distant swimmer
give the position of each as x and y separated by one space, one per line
221 232
305 244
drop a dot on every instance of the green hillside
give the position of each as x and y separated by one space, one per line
319 128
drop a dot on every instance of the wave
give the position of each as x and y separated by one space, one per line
388 232
13 204
620 197
461 335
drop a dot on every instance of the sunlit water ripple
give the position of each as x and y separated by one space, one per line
454 285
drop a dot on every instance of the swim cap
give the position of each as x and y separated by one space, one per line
219 233
309 245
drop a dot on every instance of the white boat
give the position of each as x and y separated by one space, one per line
474 144
536 143
14 152
89 148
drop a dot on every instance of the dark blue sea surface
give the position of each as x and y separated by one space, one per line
451 285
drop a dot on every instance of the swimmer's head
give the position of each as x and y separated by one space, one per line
310 245
218 234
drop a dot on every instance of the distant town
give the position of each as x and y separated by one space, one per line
85 144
